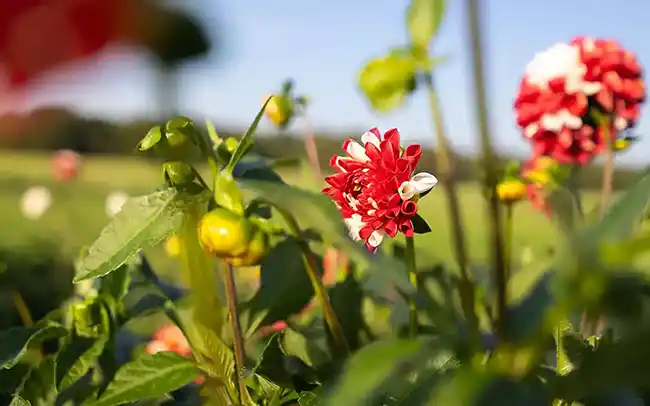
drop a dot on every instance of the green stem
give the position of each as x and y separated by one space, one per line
319 289
508 239
606 192
238 340
489 162
413 277
444 164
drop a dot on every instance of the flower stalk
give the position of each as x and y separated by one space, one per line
444 163
508 239
489 162
413 278
237 336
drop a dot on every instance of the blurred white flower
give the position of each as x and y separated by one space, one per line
35 202
115 201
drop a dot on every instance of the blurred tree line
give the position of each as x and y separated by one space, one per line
55 128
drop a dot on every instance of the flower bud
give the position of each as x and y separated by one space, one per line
179 131
233 238
279 110
178 174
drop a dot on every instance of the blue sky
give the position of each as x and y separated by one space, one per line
323 45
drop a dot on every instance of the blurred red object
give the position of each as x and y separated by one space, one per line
37 35
65 165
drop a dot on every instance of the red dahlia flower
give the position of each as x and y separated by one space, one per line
564 86
374 187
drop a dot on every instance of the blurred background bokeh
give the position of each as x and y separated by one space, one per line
83 80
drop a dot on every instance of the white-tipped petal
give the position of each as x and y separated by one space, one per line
423 181
356 151
369 137
354 225
375 238
406 190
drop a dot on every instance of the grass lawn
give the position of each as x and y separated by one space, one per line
77 214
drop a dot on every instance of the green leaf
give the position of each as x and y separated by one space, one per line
75 359
11 380
368 368
482 388
40 387
317 212
387 81
144 221
423 20
148 377
15 341
247 140
309 399
18 401
347 298
116 284
620 219
285 288
227 193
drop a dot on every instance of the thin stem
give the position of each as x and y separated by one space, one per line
606 192
444 163
319 289
311 147
413 277
238 340
508 241
489 162
22 309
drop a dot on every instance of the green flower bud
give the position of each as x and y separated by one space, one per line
178 174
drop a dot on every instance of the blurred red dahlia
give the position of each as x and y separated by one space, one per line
565 85
66 165
374 187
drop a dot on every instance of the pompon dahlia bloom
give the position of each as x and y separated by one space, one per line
374 187
565 85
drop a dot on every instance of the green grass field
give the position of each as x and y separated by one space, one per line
77 214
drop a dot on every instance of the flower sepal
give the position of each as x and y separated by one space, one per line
420 225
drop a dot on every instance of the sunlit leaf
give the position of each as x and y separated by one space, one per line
148 377
144 221
423 20
387 81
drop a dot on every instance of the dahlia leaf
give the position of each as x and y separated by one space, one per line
420 225
144 221
148 377
423 19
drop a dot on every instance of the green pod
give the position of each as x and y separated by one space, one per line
180 131
178 173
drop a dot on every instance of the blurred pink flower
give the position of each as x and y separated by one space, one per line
66 165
